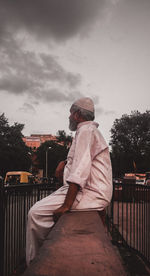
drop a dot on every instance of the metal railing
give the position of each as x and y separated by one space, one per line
15 202
129 217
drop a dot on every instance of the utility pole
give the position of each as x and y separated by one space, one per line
47 160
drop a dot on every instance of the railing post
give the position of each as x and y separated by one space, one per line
38 195
112 206
2 227
112 211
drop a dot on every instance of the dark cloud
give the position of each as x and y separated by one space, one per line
41 75
14 84
58 19
27 108
26 72
56 72
55 95
101 111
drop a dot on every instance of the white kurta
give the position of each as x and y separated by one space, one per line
89 166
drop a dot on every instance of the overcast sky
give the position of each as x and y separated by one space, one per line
55 51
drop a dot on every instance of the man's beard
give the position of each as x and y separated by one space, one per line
72 125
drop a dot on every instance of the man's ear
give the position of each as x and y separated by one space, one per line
78 116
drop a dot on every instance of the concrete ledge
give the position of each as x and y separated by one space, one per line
78 245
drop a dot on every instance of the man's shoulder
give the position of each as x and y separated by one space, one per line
88 126
85 131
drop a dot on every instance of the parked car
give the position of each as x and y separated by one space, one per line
17 177
147 181
140 181
1 180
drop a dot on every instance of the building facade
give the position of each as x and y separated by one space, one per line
35 140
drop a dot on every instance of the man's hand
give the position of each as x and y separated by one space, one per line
59 212
70 197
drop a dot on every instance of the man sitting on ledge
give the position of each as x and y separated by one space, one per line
87 178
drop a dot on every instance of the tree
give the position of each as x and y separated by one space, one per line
13 151
130 142
62 137
57 152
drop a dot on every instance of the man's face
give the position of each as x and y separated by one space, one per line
72 121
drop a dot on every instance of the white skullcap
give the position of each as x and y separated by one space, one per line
85 103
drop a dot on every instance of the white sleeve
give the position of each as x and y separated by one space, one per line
81 165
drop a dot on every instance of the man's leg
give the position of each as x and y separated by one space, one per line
40 221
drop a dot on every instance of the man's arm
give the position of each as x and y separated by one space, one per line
69 200
59 171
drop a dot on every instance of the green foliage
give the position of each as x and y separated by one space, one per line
57 151
62 137
130 142
13 151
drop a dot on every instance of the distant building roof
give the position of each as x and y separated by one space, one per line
35 140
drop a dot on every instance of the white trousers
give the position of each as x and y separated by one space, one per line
40 216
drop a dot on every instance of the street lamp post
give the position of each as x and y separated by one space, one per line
29 153
47 160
